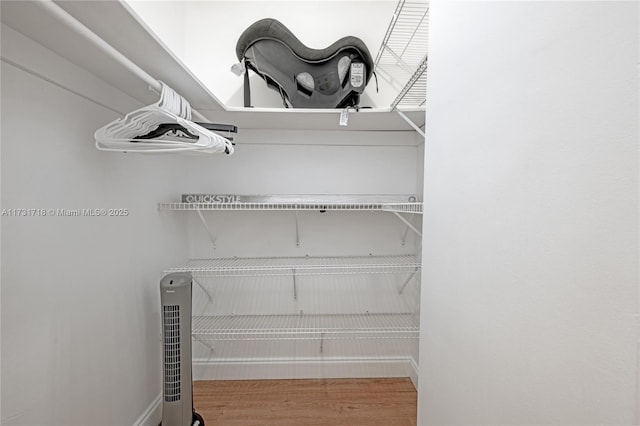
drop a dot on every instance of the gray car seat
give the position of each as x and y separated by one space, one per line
333 77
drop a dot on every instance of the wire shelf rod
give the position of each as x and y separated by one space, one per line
415 30
394 19
79 28
420 71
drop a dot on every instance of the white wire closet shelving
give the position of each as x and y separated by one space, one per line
402 58
303 265
321 203
306 326
412 207
330 270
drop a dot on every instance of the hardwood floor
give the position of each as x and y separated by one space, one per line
326 402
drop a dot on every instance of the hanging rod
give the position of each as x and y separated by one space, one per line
79 28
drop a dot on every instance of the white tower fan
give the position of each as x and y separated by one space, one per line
177 402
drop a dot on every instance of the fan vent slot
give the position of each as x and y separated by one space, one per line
171 321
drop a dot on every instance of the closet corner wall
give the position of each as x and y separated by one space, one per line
80 299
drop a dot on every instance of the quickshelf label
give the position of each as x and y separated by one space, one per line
357 74
210 198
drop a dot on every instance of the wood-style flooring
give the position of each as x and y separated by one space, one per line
323 402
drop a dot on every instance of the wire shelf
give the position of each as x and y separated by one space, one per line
303 326
403 207
414 207
402 58
307 265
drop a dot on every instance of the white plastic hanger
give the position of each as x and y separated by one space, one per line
124 134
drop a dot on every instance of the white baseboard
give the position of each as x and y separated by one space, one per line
309 368
152 416
413 372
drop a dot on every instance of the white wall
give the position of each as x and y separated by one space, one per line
80 297
530 278
166 19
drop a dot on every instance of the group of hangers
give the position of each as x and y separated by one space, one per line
163 127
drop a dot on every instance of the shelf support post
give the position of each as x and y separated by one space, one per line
297 230
321 342
407 281
206 227
295 286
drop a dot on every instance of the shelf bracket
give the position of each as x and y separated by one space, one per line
407 281
297 230
413 228
406 232
203 289
295 286
204 342
399 61
206 227
411 123
384 74
321 342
